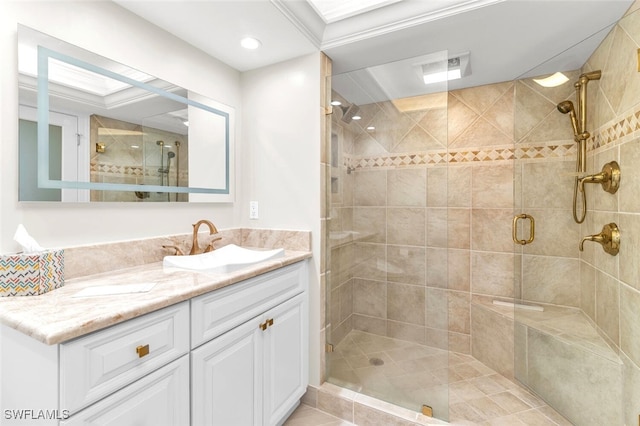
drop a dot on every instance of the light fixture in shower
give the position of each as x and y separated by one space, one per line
456 67
250 43
553 80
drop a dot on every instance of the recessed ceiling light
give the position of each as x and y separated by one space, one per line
371 128
356 117
336 103
250 43
554 80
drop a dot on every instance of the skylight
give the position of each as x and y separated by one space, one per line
337 10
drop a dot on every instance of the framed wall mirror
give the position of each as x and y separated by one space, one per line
92 129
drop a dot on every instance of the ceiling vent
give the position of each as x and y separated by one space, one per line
455 67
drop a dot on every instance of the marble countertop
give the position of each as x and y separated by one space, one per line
58 316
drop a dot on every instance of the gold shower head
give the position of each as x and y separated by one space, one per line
566 107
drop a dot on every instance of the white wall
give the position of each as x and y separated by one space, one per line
111 31
281 116
277 136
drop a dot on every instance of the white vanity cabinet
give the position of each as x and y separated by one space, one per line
253 368
234 356
132 373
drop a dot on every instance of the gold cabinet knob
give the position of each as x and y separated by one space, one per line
142 350
266 324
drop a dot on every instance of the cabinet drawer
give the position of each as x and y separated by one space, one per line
161 398
217 312
96 365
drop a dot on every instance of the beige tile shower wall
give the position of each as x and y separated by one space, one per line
432 209
340 295
610 286
435 214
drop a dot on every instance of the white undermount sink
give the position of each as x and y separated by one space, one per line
225 259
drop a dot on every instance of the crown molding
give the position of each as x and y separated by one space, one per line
304 17
391 18
383 20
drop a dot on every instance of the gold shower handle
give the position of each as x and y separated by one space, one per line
609 238
609 178
514 229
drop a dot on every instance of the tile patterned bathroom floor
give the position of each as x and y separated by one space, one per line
417 374
309 416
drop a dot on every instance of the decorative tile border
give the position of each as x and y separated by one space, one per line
463 156
129 171
615 131
117 169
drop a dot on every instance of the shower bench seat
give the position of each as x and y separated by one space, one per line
560 355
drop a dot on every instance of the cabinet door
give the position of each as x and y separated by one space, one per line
226 378
160 398
285 358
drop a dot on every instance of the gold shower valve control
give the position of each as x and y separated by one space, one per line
608 178
514 229
142 350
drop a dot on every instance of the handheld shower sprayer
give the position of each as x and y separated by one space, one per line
566 107
170 155
580 134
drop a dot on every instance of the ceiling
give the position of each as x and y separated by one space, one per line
507 39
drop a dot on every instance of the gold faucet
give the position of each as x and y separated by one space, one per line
195 248
609 238
177 250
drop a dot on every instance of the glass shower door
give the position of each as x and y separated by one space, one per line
387 309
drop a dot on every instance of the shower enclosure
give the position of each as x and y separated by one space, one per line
388 329
426 290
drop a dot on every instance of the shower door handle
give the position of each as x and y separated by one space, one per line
514 229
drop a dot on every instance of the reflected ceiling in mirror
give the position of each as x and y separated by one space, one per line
92 129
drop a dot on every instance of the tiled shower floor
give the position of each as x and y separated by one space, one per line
416 374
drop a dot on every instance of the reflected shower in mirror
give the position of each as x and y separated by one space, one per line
92 129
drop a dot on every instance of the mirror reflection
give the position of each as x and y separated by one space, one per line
92 129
